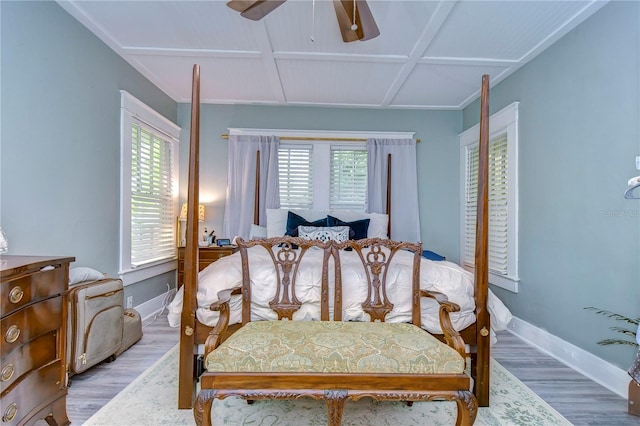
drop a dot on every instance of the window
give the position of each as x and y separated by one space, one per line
295 175
306 171
348 179
323 169
148 191
503 197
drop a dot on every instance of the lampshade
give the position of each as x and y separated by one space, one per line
183 212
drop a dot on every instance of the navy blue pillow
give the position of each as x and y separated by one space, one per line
358 228
295 220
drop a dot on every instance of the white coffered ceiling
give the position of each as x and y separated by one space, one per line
430 54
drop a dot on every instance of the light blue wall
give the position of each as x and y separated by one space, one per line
437 156
60 152
579 135
579 239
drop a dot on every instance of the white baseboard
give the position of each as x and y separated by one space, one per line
153 306
600 371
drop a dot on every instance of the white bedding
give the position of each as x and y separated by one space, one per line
441 276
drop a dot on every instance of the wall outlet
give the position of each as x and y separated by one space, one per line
129 302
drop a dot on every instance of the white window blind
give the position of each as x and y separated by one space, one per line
148 191
498 205
153 211
503 197
295 176
348 179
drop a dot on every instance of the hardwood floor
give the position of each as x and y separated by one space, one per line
580 400
95 387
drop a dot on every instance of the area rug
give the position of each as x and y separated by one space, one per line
152 400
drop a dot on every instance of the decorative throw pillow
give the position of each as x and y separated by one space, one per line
359 228
324 234
295 220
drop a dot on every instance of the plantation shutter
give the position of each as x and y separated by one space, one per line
295 177
498 197
348 179
152 207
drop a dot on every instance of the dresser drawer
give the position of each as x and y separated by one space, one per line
28 396
29 323
26 289
33 355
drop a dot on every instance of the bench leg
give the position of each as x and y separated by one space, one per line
467 409
335 406
202 407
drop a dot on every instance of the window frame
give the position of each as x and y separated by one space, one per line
320 160
132 110
503 122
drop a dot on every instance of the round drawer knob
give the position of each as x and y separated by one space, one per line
16 294
7 372
12 334
10 412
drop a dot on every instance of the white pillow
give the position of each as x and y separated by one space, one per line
277 220
257 232
324 234
82 274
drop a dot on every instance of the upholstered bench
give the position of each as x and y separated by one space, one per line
333 360
333 347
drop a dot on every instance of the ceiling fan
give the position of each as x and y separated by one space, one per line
354 16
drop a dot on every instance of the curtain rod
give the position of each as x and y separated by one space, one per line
302 138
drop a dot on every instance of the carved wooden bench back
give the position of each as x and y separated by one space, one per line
286 262
376 255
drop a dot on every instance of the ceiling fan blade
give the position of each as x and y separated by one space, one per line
240 5
344 21
365 21
254 9
366 25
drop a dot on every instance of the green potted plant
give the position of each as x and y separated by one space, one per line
631 338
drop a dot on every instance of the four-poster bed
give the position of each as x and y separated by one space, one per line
194 333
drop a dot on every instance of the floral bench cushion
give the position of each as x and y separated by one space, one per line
333 346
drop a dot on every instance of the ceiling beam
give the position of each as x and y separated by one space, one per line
264 44
430 30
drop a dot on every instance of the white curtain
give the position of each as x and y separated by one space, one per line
405 217
241 185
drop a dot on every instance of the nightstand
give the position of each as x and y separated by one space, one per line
206 256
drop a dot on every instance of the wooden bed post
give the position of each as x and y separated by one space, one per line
483 324
389 195
256 193
187 383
